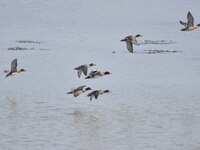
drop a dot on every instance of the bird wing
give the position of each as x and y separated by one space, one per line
80 87
79 67
14 65
93 94
130 38
91 97
76 94
85 70
79 72
129 46
97 73
190 19
183 23
96 94
93 73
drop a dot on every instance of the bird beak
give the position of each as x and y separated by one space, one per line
122 40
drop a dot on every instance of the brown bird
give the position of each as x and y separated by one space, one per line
79 90
96 93
83 68
189 25
97 73
130 40
14 69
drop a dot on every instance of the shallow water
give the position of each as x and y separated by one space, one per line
154 101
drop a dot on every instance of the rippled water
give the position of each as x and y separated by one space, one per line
154 101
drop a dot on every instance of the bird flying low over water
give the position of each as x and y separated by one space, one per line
189 25
83 68
96 93
79 90
130 40
13 69
97 73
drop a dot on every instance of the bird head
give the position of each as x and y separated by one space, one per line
107 73
88 88
22 70
92 64
106 91
138 35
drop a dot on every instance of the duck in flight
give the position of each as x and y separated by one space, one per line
96 93
14 69
189 25
130 40
97 73
79 90
83 68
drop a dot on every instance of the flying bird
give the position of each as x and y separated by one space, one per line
97 73
189 25
96 93
13 69
130 40
79 90
83 68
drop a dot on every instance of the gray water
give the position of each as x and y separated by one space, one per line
154 102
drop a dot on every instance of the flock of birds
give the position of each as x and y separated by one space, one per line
130 40
93 74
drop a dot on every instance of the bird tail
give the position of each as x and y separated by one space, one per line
184 29
8 74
